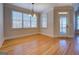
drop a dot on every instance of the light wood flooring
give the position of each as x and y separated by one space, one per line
41 45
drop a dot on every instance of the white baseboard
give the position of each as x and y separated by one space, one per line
12 37
47 35
56 36
69 36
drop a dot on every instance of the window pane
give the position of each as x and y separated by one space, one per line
63 23
16 19
44 21
26 21
33 21
78 22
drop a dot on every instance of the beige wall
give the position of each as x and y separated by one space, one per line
52 18
53 28
9 31
49 30
70 29
1 25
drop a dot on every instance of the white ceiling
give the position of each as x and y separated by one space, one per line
40 7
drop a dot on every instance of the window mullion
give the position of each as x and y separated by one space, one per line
30 21
22 20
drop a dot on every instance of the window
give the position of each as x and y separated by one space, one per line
78 22
16 19
63 22
26 21
63 13
23 20
33 21
44 21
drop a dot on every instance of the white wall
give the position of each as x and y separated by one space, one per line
49 30
1 24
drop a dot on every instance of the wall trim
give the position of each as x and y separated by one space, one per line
69 36
64 37
52 36
12 37
47 35
59 36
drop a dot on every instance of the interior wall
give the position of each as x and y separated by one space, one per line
13 33
70 19
52 29
1 25
49 30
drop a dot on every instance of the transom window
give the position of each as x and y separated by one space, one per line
23 20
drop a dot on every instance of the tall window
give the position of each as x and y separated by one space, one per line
26 21
44 21
33 21
23 20
63 23
78 22
16 19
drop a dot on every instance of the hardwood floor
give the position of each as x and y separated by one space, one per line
41 45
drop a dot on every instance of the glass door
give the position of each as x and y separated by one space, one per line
63 24
77 22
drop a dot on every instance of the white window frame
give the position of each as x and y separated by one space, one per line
77 22
23 20
13 20
62 28
32 23
26 22
44 17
